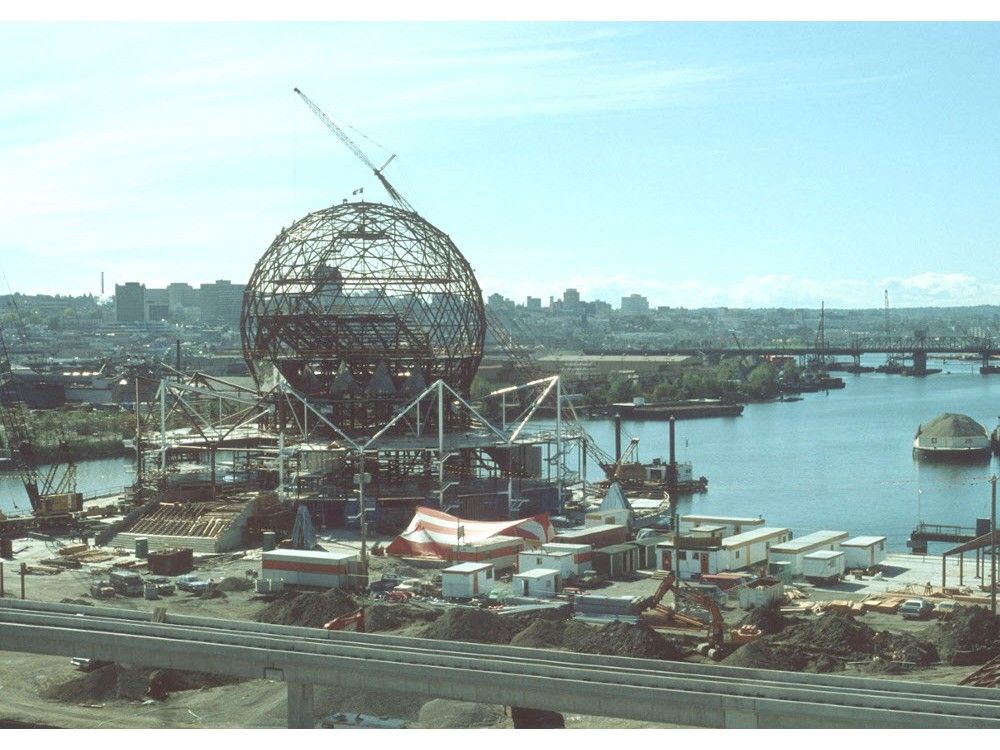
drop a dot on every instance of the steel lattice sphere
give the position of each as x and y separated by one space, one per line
364 298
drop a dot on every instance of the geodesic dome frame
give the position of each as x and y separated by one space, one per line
358 292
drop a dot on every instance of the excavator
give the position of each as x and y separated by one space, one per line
653 613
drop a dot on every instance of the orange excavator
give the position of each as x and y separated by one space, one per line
357 619
652 612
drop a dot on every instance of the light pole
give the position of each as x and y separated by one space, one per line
993 545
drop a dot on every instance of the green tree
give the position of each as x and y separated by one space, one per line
762 382
620 388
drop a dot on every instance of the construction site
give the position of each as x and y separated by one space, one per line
355 485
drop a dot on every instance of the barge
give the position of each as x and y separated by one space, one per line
952 437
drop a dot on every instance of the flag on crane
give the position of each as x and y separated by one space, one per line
358 191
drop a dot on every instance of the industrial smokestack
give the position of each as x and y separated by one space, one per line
102 283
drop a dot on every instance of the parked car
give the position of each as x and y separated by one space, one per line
88 665
191 582
385 584
916 609
943 610
126 582
361 721
164 587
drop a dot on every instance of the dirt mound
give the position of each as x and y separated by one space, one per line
233 583
768 619
445 714
827 644
541 634
470 624
832 634
380 617
84 602
212 592
969 630
117 681
308 610
619 639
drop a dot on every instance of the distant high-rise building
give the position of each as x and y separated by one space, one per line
182 296
157 304
571 300
221 302
495 300
635 304
534 303
130 302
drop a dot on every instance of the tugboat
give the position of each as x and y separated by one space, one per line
952 437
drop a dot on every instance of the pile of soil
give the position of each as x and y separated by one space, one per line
541 634
392 703
612 639
970 631
470 624
827 644
84 602
212 592
381 617
619 639
446 714
117 681
233 583
308 610
769 619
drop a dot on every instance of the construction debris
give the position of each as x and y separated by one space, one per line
308 610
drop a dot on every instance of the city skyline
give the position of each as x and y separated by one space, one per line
699 165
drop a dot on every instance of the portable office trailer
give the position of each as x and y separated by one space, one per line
501 551
562 560
466 580
794 550
583 555
863 551
596 536
301 567
616 560
540 582
696 557
823 565
734 524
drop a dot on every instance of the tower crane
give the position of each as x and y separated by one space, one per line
398 199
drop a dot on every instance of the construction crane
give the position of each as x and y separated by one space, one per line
13 418
398 199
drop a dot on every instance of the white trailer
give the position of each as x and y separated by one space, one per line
864 551
823 565
302 567
466 580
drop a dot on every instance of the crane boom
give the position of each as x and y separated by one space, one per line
398 199
15 426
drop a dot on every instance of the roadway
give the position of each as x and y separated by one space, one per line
641 689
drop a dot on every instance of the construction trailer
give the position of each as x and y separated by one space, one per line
616 560
762 592
500 551
567 562
596 536
734 524
300 567
467 580
692 557
823 566
863 551
538 582
794 550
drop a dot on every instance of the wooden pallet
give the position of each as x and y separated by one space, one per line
987 675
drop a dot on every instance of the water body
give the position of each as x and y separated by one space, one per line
840 460
97 477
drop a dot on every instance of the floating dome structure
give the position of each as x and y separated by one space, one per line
952 437
363 297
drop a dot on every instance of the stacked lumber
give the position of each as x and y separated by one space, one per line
844 607
887 605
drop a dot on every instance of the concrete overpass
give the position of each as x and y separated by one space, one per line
646 690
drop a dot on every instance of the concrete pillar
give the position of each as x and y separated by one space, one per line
920 362
300 706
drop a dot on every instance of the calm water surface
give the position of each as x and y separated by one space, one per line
831 461
841 460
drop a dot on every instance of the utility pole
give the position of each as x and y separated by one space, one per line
361 478
993 545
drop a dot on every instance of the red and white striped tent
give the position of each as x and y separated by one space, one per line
433 533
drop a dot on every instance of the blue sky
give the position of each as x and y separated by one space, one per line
699 164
